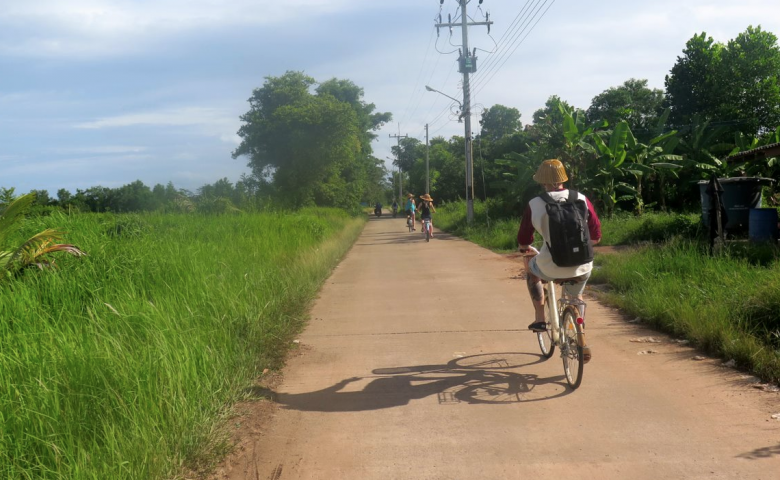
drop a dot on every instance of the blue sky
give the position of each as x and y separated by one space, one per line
105 92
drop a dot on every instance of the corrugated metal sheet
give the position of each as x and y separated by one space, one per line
770 150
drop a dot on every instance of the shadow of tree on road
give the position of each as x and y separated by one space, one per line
390 238
479 379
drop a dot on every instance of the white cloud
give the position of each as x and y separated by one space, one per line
188 116
109 28
99 150
82 165
232 139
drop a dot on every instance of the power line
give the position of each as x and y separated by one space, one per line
511 37
485 82
419 75
516 40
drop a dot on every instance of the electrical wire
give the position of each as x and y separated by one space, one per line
422 90
419 76
509 32
482 86
514 42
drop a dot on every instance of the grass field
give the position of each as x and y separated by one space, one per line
120 364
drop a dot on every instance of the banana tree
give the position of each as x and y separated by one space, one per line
608 177
701 149
577 147
653 161
518 179
624 163
36 250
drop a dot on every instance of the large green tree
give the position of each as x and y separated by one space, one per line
691 86
749 81
499 122
633 102
302 140
735 85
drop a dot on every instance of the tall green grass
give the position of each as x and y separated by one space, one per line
118 365
728 305
500 233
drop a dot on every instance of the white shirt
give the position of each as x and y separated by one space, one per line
541 223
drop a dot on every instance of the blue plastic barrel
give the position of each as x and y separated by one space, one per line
762 225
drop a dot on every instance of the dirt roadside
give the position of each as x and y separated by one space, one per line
450 385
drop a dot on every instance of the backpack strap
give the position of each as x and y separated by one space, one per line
547 198
573 196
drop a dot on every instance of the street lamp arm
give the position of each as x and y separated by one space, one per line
430 89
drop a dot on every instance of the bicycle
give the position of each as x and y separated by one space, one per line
409 222
565 328
427 228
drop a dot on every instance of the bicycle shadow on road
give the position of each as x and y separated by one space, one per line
478 379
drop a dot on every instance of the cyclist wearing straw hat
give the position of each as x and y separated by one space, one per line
427 210
551 175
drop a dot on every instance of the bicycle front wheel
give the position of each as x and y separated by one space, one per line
571 350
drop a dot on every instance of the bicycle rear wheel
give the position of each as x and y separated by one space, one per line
545 340
427 232
571 350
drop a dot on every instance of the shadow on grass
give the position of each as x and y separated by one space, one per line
480 379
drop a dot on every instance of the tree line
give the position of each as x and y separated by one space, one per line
634 147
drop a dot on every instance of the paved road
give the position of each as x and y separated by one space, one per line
416 365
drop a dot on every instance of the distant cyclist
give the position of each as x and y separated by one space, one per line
394 206
411 208
427 210
551 175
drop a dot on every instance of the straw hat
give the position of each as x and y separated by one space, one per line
409 195
551 172
426 197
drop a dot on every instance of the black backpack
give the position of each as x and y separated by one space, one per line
569 235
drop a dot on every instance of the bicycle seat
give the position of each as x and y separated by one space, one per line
569 281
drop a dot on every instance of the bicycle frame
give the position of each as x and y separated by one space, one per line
556 306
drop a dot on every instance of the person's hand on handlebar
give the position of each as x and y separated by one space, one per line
527 250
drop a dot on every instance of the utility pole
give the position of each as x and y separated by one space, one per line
427 171
398 158
468 64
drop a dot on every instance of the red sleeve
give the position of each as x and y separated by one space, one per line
525 236
594 224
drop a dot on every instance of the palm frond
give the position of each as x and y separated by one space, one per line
11 214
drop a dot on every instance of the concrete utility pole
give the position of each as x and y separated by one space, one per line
427 171
398 159
468 65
